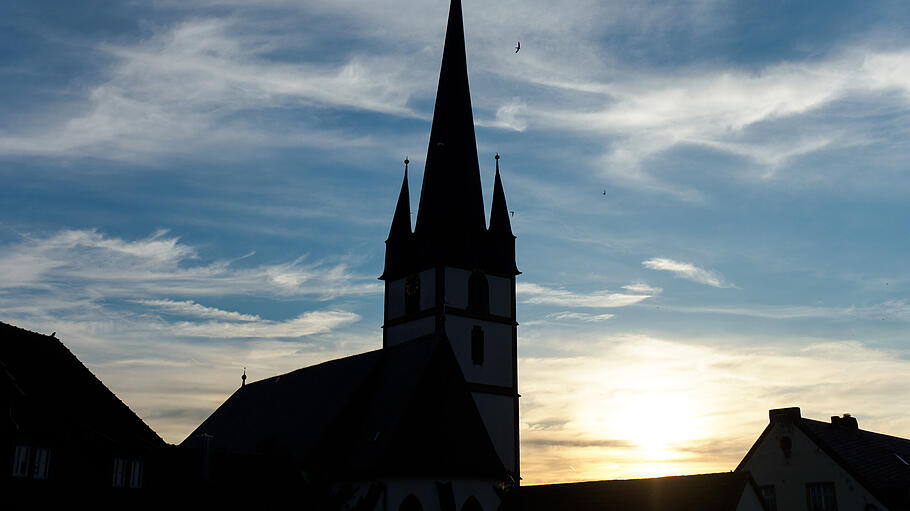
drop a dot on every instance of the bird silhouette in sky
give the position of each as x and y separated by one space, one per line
517 46
605 192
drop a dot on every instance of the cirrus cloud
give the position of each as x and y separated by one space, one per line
687 271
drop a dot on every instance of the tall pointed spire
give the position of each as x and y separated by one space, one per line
499 212
451 200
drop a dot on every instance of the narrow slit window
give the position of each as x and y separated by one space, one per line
477 346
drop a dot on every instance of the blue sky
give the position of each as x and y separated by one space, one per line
194 188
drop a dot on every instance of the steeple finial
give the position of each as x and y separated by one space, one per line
451 200
243 378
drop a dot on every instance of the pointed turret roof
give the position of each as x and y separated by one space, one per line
398 245
401 222
451 200
499 212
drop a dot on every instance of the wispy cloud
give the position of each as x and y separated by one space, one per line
760 115
537 294
578 316
644 288
687 271
889 310
191 308
309 323
181 90
160 265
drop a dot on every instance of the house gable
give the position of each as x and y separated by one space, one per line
791 457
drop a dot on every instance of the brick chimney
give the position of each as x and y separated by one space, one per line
784 415
847 421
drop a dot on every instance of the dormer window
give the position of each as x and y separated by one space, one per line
478 293
412 295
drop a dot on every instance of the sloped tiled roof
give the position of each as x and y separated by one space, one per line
51 392
404 410
873 459
703 492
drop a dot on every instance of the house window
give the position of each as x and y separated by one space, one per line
136 474
769 495
120 469
20 461
127 473
42 465
821 497
477 345
478 293
412 295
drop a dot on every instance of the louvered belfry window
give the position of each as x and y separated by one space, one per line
478 293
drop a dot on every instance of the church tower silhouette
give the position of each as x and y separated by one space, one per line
452 276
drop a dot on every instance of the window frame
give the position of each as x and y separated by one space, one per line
41 465
22 454
821 485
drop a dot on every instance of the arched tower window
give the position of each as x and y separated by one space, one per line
477 345
410 503
478 293
412 295
472 504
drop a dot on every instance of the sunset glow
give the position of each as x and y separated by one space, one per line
710 204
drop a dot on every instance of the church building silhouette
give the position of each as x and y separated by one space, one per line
430 421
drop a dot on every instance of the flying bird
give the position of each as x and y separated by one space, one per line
517 46
605 192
